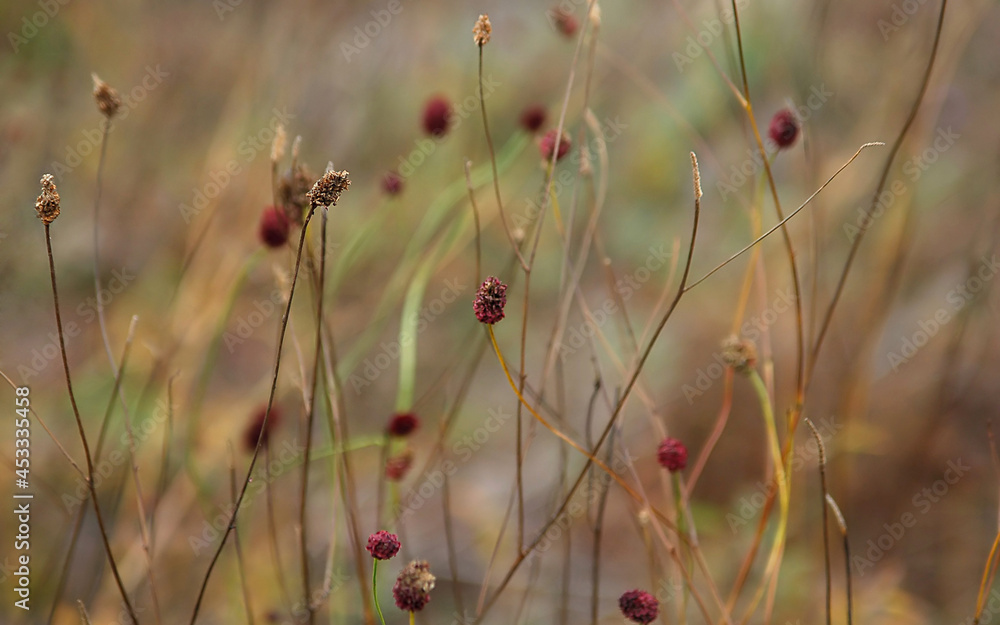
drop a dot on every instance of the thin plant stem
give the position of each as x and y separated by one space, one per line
493 164
378 608
83 434
826 520
790 249
781 477
241 567
310 418
883 178
475 216
263 427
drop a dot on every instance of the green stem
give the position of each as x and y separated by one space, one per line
378 608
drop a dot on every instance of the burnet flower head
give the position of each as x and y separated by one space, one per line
490 301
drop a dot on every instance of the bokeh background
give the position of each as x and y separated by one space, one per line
906 391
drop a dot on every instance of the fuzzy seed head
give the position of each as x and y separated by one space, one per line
274 227
47 204
412 589
437 116
490 301
108 100
481 31
563 21
402 424
383 545
327 190
739 354
672 455
784 129
533 118
548 144
392 183
398 466
256 426
639 606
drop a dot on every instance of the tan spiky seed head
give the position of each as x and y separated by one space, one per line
740 354
482 30
107 98
47 204
327 190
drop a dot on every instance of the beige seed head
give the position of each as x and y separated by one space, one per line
107 98
481 31
327 190
47 204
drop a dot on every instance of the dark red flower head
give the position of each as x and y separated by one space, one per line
397 467
672 454
402 423
490 300
253 429
548 143
274 226
784 128
383 545
437 116
532 118
563 21
412 589
639 606
392 183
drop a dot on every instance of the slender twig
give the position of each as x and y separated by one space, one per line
493 164
842 526
83 434
826 522
241 567
263 427
310 418
475 216
883 178
783 221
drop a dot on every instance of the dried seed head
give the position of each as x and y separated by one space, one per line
532 118
672 454
383 545
274 227
490 300
327 190
402 424
108 100
548 144
639 606
47 204
784 128
412 589
256 426
278 145
739 354
481 31
595 15
293 190
437 116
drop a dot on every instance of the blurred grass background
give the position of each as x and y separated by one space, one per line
222 78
